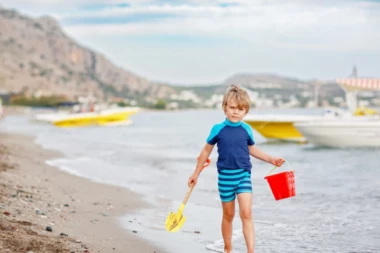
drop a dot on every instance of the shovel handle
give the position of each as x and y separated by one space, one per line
188 194
192 186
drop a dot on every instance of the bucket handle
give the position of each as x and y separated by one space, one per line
275 167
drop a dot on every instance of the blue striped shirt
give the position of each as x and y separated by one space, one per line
232 140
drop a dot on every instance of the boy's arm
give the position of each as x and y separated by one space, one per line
205 153
257 153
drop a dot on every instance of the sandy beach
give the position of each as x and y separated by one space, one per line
81 214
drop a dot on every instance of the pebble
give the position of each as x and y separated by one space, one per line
24 202
48 228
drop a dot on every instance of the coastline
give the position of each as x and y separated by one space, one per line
34 195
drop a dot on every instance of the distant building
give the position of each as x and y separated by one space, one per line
172 105
186 95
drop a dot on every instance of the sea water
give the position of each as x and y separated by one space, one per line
336 208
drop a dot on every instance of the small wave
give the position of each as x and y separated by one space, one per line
162 197
264 222
218 246
280 225
57 163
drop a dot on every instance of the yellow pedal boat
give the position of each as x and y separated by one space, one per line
109 117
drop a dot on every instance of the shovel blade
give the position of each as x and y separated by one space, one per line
174 221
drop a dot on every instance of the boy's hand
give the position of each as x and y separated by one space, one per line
193 179
277 161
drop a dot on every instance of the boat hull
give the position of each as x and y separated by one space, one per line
278 127
272 131
96 119
341 134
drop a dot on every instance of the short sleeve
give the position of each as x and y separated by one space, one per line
251 140
212 139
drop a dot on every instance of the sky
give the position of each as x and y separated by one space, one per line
198 42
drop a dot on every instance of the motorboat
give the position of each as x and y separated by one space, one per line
363 132
104 117
356 131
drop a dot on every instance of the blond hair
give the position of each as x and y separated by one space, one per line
238 95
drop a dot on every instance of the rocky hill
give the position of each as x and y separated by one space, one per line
37 56
264 80
272 84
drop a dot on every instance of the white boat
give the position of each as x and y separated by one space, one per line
342 133
363 131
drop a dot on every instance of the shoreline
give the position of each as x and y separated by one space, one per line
34 195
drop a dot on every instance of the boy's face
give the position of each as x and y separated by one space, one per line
233 112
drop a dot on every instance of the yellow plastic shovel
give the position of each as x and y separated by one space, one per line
175 220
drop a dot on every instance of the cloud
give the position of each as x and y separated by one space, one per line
317 25
68 2
165 40
344 26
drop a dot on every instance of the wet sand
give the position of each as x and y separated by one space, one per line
81 214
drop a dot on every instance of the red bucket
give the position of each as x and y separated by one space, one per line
282 184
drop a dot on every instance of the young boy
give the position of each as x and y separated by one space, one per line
235 145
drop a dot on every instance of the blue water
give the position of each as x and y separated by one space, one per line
338 190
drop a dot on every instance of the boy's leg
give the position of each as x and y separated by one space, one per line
245 205
228 216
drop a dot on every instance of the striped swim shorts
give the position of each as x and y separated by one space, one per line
232 182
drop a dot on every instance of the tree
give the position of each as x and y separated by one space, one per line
160 104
